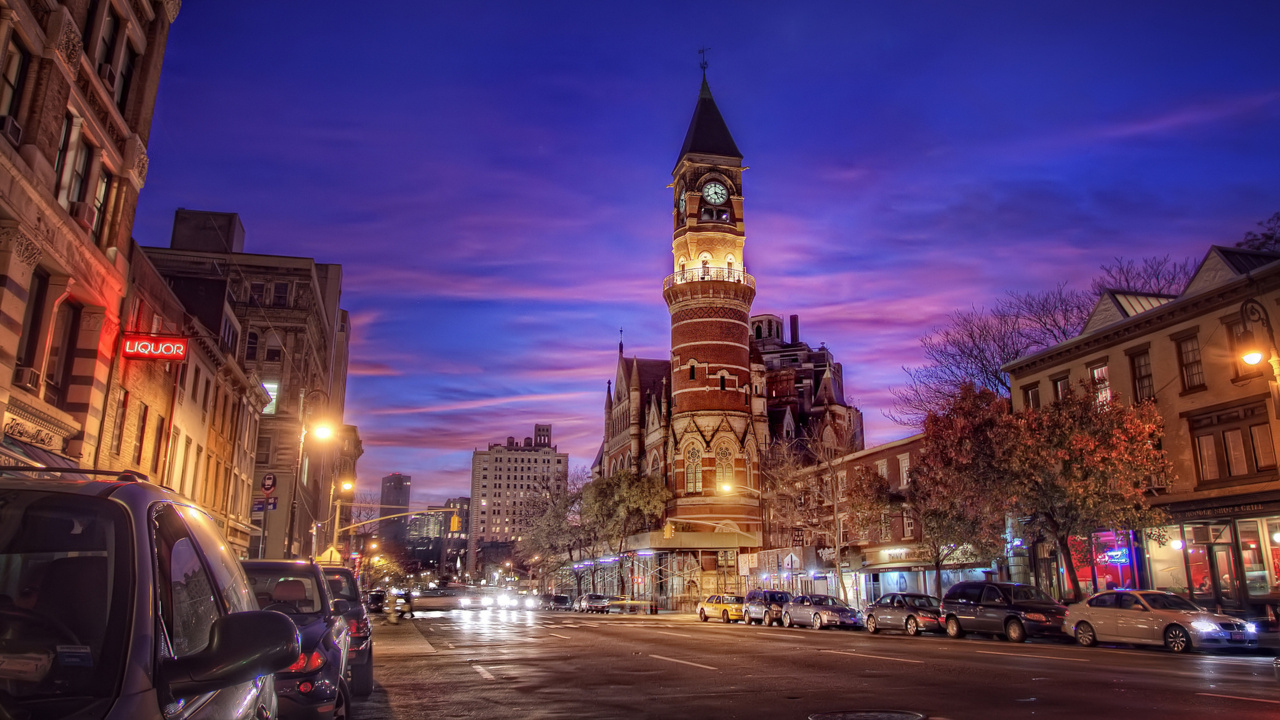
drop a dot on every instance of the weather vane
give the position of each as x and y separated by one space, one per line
703 62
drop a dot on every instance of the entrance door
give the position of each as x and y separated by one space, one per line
1224 573
1211 559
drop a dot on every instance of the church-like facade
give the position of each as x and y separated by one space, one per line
703 418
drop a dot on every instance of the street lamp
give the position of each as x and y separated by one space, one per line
1252 351
729 488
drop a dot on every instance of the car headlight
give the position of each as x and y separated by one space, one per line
1204 626
486 601
1036 617
1250 627
465 602
530 603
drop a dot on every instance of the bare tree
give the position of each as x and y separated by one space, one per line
1154 275
1268 239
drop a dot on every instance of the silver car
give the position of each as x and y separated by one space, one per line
820 611
123 602
913 613
1152 617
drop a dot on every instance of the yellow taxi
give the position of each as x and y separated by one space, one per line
726 607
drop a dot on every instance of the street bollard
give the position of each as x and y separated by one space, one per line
1276 664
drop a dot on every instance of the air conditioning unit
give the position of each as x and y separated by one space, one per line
85 214
108 75
27 379
12 130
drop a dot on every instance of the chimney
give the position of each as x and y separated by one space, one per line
795 329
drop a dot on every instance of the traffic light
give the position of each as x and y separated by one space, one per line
669 530
455 523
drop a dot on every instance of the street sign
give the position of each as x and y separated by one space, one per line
271 503
268 483
258 505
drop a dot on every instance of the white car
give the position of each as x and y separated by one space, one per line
1152 617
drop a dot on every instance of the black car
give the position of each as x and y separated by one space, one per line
558 602
1013 610
314 687
119 599
764 607
342 585
375 600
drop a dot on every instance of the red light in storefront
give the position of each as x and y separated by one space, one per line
151 347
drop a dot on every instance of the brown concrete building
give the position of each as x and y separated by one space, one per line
1222 545
503 477
76 98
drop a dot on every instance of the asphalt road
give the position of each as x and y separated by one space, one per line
519 664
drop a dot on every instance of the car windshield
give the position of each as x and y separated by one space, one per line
342 585
291 592
731 599
64 599
921 601
1163 601
1027 593
828 601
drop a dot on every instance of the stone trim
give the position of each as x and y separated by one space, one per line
21 245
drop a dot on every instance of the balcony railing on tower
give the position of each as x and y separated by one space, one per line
706 274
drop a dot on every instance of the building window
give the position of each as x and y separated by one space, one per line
158 449
1061 387
280 295
64 148
908 527
122 412
1233 443
1207 449
251 346
1264 451
693 371
1031 396
124 77
273 389
722 382
1190 364
29 343
1100 377
693 471
100 204
904 469
724 468
13 77
256 292
66 329
142 434
107 39
274 352
1144 387
76 184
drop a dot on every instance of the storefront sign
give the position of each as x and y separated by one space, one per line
151 347
1225 511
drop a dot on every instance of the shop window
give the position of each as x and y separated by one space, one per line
1165 561
1260 556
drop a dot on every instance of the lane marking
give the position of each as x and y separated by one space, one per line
663 632
1042 657
432 629
566 637
877 657
451 647
1240 697
483 673
683 662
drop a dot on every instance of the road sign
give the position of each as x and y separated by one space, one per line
258 505
268 483
271 503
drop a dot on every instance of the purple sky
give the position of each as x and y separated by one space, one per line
492 176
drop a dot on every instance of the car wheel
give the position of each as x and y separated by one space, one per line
1085 635
724 617
913 626
362 677
817 621
1177 639
873 626
953 627
1014 632
702 615
786 620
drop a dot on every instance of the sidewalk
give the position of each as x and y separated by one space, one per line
401 640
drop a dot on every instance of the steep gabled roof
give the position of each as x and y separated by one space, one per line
1116 305
708 134
1224 264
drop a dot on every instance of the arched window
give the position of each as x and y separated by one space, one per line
251 346
706 269
759 331
724 469
693 470
693 370
722 381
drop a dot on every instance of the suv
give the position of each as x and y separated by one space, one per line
342 585
315 685
765 606
1013 610
118 599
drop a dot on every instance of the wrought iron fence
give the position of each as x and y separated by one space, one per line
707 274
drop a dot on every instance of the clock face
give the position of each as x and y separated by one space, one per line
682 204
715 193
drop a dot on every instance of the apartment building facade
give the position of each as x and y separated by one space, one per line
503 478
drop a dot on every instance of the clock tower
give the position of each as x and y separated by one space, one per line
718 421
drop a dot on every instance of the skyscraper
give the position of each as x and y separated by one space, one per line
395 501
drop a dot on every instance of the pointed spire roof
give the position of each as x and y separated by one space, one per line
708 134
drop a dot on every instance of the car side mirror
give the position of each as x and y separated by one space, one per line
242 646
341 607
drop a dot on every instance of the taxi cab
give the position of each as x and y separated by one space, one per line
726 607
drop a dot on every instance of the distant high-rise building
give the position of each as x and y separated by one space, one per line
395 501
502 478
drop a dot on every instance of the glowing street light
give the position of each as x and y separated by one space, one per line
347 486
322 432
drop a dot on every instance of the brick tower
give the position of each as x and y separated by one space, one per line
717 420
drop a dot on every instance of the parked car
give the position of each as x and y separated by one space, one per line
375 600
1153 617
1013 610
342 585
119 599
764 606
726 607
913 613
583 601
601 603
556 602
315 685
820 611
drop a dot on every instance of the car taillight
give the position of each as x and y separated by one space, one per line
1036 617
306 663
358 628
